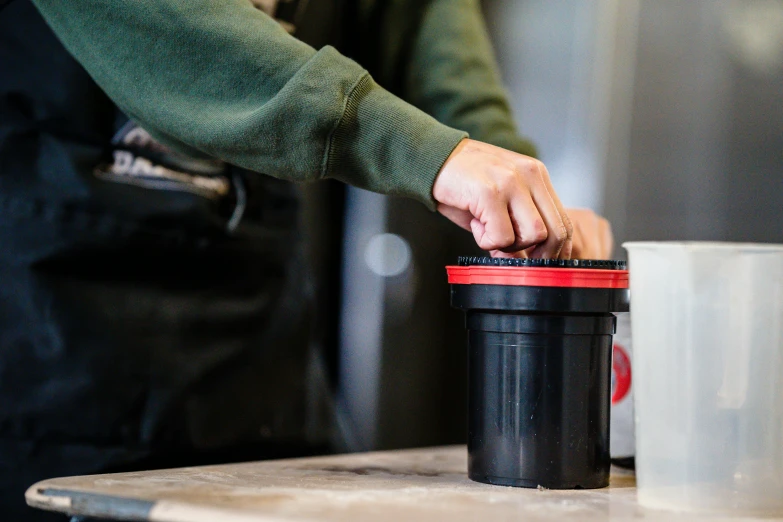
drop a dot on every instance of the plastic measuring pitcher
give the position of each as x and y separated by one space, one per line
707 325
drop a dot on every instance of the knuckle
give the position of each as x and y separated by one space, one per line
540 233
530 168
505 240
540 237
542 170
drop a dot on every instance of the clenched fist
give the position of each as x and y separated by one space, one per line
505 199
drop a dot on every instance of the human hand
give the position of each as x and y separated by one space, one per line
592 237
505 199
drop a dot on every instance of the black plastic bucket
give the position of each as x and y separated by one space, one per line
540 348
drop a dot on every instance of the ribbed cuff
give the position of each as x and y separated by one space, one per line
386 145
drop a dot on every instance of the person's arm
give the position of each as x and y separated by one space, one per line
452 75
225 79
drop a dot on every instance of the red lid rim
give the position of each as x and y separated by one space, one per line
538 276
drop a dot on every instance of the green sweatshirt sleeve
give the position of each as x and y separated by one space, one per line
453 75
225 79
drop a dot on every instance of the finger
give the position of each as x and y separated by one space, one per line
496 240
492 226
578 240
545 250
462 218
558 234
529 227
567 247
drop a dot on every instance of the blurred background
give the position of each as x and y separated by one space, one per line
666 116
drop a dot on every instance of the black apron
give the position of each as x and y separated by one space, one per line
154 311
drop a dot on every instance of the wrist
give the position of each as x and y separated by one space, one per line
386 145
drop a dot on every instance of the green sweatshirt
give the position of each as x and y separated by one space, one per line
223 79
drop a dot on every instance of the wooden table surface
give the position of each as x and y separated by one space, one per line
410 485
